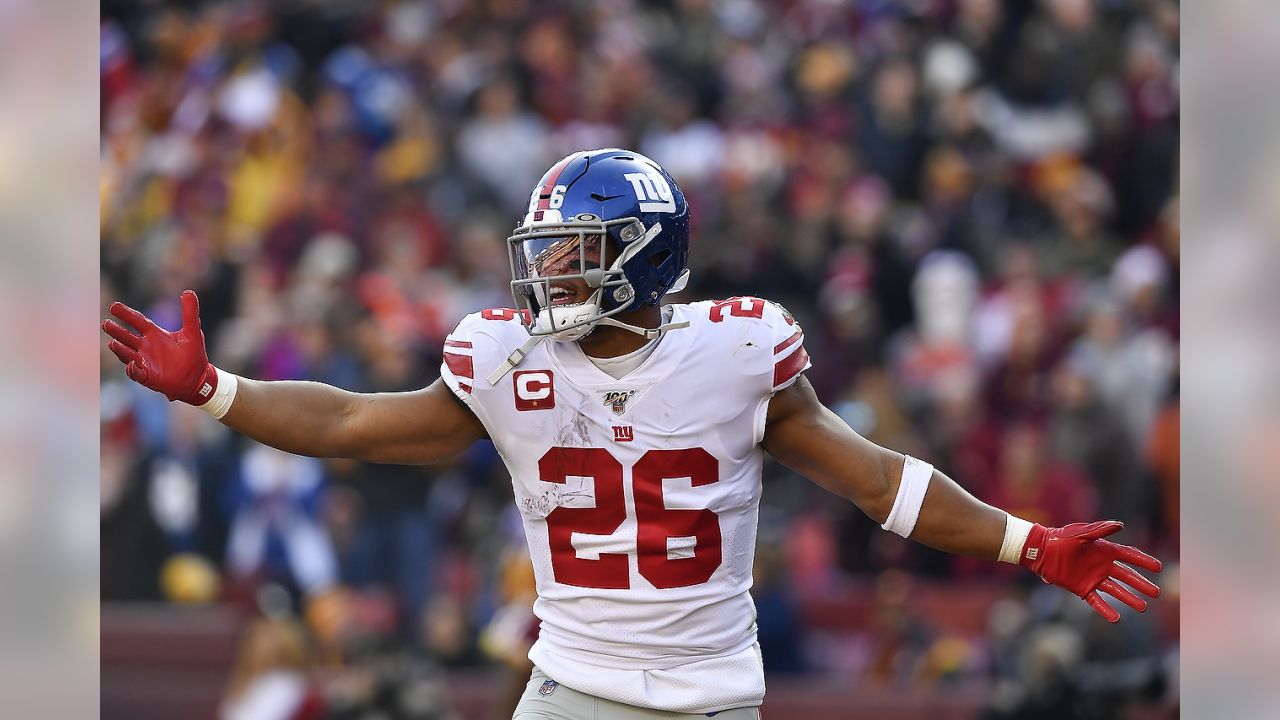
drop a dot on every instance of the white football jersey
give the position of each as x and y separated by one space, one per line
639 496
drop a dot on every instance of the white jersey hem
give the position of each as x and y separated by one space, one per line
702 686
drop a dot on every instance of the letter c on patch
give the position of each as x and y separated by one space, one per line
534 389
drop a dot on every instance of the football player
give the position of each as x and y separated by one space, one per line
634 433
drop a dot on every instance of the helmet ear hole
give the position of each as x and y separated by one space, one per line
658 258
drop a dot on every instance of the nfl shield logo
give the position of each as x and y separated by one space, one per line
617 400
548 687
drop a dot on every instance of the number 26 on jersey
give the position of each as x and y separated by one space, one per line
655 523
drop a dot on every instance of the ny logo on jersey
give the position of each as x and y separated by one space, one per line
623 433
617 400
534 389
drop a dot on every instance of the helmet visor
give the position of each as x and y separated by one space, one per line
568 264
557 256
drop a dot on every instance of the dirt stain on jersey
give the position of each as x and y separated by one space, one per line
542 505
576 433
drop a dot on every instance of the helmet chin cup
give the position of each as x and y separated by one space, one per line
567 317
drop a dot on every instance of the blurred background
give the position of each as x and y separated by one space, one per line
970 205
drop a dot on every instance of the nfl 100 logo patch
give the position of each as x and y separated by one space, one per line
616 400
548 687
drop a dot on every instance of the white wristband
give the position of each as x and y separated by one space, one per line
1015 536
223 396
916 475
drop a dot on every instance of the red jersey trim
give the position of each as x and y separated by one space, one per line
795 338
790 366
460 365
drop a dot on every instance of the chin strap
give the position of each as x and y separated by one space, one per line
648 333
514 358
523 351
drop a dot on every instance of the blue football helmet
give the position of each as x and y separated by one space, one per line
611 218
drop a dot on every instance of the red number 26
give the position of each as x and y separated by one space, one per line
655 522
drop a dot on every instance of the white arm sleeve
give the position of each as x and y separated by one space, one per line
916 475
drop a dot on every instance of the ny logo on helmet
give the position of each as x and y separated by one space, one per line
652 191
617 400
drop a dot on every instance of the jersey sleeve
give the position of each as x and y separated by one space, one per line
789 356
462 348
475 347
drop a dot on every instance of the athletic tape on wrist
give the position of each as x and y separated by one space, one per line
916 475
1015 536
223 395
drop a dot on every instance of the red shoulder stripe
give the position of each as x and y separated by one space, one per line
790 366
457 343
460 365
465 387
795 338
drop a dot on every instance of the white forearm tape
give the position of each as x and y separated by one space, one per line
916 475
1015 536
223 396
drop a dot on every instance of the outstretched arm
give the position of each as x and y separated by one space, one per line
806 436
305 418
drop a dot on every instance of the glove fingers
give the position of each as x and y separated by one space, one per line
137 320
1101 607
190 310
122 351
1121 593
1129 576
1101 529
121 334
1134 556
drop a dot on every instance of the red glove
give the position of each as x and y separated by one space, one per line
173 363
1076 557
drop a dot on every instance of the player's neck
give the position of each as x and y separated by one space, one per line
607 341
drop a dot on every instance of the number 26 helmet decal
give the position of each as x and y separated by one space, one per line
612 219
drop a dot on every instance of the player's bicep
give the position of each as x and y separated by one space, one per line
414 428
801 433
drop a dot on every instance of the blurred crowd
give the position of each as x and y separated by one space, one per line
970 205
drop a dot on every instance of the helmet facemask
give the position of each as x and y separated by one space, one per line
550 259
610 226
